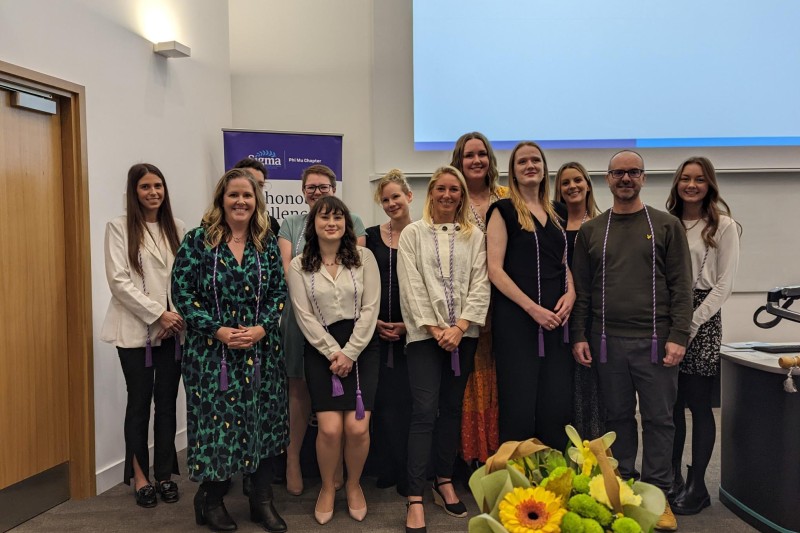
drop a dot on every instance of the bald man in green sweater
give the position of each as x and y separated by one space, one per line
632 273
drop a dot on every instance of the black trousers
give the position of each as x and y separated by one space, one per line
392 415
437 396
158 384
629 374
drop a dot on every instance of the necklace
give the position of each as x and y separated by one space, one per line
332 263
238 239
689 228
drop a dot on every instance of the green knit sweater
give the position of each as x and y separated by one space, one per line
629 278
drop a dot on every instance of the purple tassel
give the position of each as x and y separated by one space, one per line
390 357
566 331
603 349
148 354
455 364
360 411
257 374
654 349
223 375
178 351
336 383
541 342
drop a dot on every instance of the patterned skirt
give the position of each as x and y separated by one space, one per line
480 436
702 355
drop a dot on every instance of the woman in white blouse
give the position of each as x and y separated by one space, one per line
714 245
335 290
141 322
444 297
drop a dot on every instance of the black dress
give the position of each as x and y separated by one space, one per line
393 401
589 413
534 393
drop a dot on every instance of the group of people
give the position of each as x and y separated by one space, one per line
459 331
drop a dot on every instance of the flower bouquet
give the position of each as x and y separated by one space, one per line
527 487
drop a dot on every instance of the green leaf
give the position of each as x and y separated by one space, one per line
484 523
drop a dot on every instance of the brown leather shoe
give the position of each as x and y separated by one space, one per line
666 521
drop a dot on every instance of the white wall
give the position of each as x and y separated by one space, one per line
306 66
140 107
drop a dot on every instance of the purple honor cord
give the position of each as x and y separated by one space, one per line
654 338
223 364
336 384
390 355
449 292
539 288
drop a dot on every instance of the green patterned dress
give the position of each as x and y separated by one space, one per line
230 431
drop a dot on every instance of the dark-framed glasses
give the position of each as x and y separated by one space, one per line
634 173
311 189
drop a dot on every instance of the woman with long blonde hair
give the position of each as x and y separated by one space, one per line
533 299
228 284
444 297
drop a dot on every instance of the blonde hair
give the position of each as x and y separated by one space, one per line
462 217
524 215
214 223
591 204
393 176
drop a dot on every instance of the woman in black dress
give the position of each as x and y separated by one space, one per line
393 401
335 291
574 189
526 258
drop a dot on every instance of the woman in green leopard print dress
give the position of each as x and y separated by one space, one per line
228 284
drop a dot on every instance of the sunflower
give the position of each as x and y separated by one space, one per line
531 510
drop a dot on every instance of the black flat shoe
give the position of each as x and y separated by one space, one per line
168 490
146 496
458 509
422 529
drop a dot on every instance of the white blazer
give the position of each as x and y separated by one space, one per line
131 309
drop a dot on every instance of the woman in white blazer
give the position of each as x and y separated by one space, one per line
141 322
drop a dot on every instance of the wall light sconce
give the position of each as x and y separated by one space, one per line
172 49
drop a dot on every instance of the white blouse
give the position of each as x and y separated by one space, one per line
335 297
422 296
720 266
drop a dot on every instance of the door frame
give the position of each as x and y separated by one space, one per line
80 355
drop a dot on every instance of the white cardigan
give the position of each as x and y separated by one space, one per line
130 309
422 296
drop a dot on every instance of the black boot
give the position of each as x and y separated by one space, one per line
677 483
694 497
263 512
210 510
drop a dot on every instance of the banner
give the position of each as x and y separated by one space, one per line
285 155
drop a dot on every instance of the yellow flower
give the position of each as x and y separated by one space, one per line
597 490
582 455
531 510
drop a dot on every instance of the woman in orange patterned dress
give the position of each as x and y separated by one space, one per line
474 157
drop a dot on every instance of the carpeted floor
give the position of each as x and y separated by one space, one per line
115 511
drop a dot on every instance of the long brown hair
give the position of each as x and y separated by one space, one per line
524 215
713 204
590 204
214 223
457 159
347 254
135 215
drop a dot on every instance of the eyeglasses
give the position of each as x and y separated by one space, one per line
634 173
311 189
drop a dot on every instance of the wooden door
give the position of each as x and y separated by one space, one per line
34 384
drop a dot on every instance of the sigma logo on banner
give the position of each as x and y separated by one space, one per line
269 158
